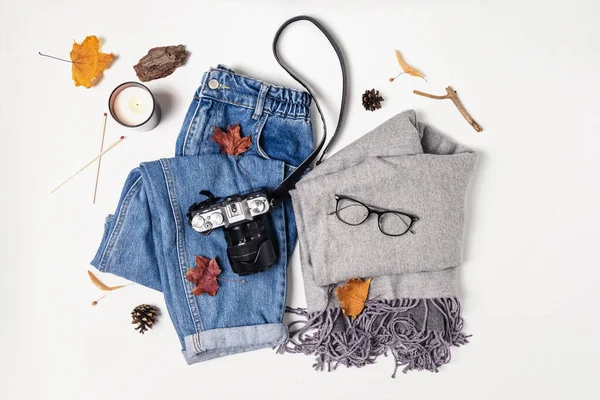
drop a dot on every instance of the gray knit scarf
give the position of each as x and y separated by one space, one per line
412 309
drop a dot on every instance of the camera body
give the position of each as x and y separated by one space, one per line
232 210
246 227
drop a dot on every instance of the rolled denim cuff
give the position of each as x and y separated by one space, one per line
214 343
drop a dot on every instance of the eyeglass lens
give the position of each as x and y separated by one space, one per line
351 212
394 224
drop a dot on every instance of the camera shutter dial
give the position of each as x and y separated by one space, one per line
216 218
258 206
197 221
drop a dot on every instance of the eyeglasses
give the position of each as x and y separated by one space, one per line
391 223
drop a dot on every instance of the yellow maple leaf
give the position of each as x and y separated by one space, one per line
407 68
88 62
353 295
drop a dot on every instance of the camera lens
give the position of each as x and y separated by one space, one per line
249 248
244 233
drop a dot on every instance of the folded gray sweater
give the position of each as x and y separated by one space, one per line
412 310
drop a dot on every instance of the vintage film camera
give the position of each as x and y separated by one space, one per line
246 226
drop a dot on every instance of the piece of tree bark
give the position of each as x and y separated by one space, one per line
452 95
160 62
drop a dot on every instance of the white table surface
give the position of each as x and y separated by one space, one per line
528 71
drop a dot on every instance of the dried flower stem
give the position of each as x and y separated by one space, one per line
402 73
452 95
95 302
56 58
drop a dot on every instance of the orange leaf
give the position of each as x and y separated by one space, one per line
407 68
231 143
88 62
353 296
204 276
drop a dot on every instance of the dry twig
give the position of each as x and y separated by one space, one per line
451 94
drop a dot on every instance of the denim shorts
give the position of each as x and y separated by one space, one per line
148 240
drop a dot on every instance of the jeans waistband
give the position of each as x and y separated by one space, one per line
223 84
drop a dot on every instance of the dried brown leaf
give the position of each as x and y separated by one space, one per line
204 276
231 143
412 71
101 285
353 295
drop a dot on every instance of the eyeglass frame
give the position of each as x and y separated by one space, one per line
374 210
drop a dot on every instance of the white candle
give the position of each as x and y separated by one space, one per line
133 105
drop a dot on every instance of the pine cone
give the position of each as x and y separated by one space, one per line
144 316
371 100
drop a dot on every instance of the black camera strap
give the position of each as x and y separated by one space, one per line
290 182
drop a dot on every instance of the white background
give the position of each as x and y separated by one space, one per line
526 70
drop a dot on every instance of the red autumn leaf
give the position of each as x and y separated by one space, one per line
204 276
231 143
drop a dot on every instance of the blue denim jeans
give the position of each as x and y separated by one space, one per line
149 241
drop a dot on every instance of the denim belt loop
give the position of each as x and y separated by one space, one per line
260 102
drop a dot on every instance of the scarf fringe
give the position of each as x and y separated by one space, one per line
395 326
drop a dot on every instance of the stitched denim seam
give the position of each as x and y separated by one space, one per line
195 314
258 80
283 115
112 240
268 96
259 129
226 341
206 140
197 344
286 101
285 258
187 134
260 102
